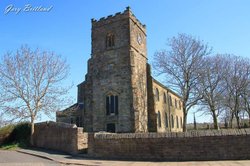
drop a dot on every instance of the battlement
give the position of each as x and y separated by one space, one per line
127 13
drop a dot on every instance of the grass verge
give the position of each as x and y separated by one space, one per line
10 146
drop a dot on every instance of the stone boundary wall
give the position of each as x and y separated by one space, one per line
60 136
195 145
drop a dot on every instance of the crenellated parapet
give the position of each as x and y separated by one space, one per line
127 13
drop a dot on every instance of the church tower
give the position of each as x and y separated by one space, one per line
118 93
115 88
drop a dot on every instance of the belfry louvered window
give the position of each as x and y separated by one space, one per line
111 105
110 40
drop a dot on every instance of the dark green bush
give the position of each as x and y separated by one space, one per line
19 133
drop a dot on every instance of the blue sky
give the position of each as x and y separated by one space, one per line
66 29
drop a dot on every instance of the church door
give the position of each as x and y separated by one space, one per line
111 127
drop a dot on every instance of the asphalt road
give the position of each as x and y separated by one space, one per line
13 158
26 158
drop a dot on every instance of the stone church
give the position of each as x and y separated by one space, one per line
119 94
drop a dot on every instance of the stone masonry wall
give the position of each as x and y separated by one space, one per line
60 136
202 145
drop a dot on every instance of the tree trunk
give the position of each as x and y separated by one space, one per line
32 131
184 120
231 121
226 123
248 119
237 120
195 126
236 111
216 126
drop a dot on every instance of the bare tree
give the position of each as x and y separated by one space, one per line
245 96
246 101
180 65
30 84
212 85
1 121
237 79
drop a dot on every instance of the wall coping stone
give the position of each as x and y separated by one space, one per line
190 134
56 124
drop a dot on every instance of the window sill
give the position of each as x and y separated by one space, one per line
112 114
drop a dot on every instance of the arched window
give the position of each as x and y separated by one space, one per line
170 100
157 94
181 121
111 105
110 40
177 122
159 119
180 104
166 119
172 120
111 127
164 97
175 102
